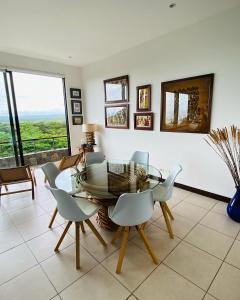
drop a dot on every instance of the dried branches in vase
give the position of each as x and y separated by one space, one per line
227 145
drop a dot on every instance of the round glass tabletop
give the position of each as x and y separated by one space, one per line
109 179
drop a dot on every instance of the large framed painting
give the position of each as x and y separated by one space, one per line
143 121
144 97
117 116
116 89
186 104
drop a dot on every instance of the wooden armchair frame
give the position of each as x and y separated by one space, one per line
16 175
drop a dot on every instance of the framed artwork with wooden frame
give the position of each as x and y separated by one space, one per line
143 121
116 89
144 97
186 104
117 116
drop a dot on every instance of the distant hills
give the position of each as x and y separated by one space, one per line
36 117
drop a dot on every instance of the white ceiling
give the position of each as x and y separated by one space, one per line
90 30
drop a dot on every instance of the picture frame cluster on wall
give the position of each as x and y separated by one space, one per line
116 109
185 104
76 106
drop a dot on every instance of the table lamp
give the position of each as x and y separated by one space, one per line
89 129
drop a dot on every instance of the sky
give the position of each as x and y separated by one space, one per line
35 93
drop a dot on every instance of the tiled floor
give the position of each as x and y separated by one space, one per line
202 262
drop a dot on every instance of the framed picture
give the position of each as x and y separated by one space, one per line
116 89
75 93
77 120
144 98
143 121
117 116
186 104
76 107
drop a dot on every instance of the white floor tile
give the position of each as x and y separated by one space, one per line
221 223
35 227
61 270
194 264
204 202
180 225
9 238
20 287
23 215
43 245
226 284
189 211
97 284
166 284
160 241
233 256
15 261
221 208
137 265
210 240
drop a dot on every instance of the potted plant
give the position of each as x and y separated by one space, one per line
227 145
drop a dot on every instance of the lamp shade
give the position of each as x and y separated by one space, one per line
89 127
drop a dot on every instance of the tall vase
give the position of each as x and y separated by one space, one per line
233 208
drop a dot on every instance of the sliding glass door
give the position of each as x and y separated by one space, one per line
9 155
37 108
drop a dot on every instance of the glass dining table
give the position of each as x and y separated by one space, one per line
104 182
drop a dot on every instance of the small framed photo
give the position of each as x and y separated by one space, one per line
75 93
76 107
144 97
77 120
143 121
117 116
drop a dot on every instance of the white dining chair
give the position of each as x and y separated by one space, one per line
163 192
140 157
51 171
132 209
77 210
94 158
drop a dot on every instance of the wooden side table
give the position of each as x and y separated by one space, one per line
83 150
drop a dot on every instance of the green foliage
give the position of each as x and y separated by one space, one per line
34 130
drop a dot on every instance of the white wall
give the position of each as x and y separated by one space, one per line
212 46
72 79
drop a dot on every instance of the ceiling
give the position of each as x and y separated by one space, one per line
79 32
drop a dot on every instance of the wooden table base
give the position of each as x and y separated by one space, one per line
104 221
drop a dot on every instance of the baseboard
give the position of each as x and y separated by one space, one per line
202 192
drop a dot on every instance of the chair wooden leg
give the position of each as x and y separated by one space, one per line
82 227
116 234
97 234
169 227
147 245
122 250
77 233
168 211
6 188
53 217
62 236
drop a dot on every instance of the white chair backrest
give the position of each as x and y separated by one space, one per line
67 206
51 171
140 157
94 158
133 208
169 182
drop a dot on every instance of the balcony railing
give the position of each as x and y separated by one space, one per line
35 151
